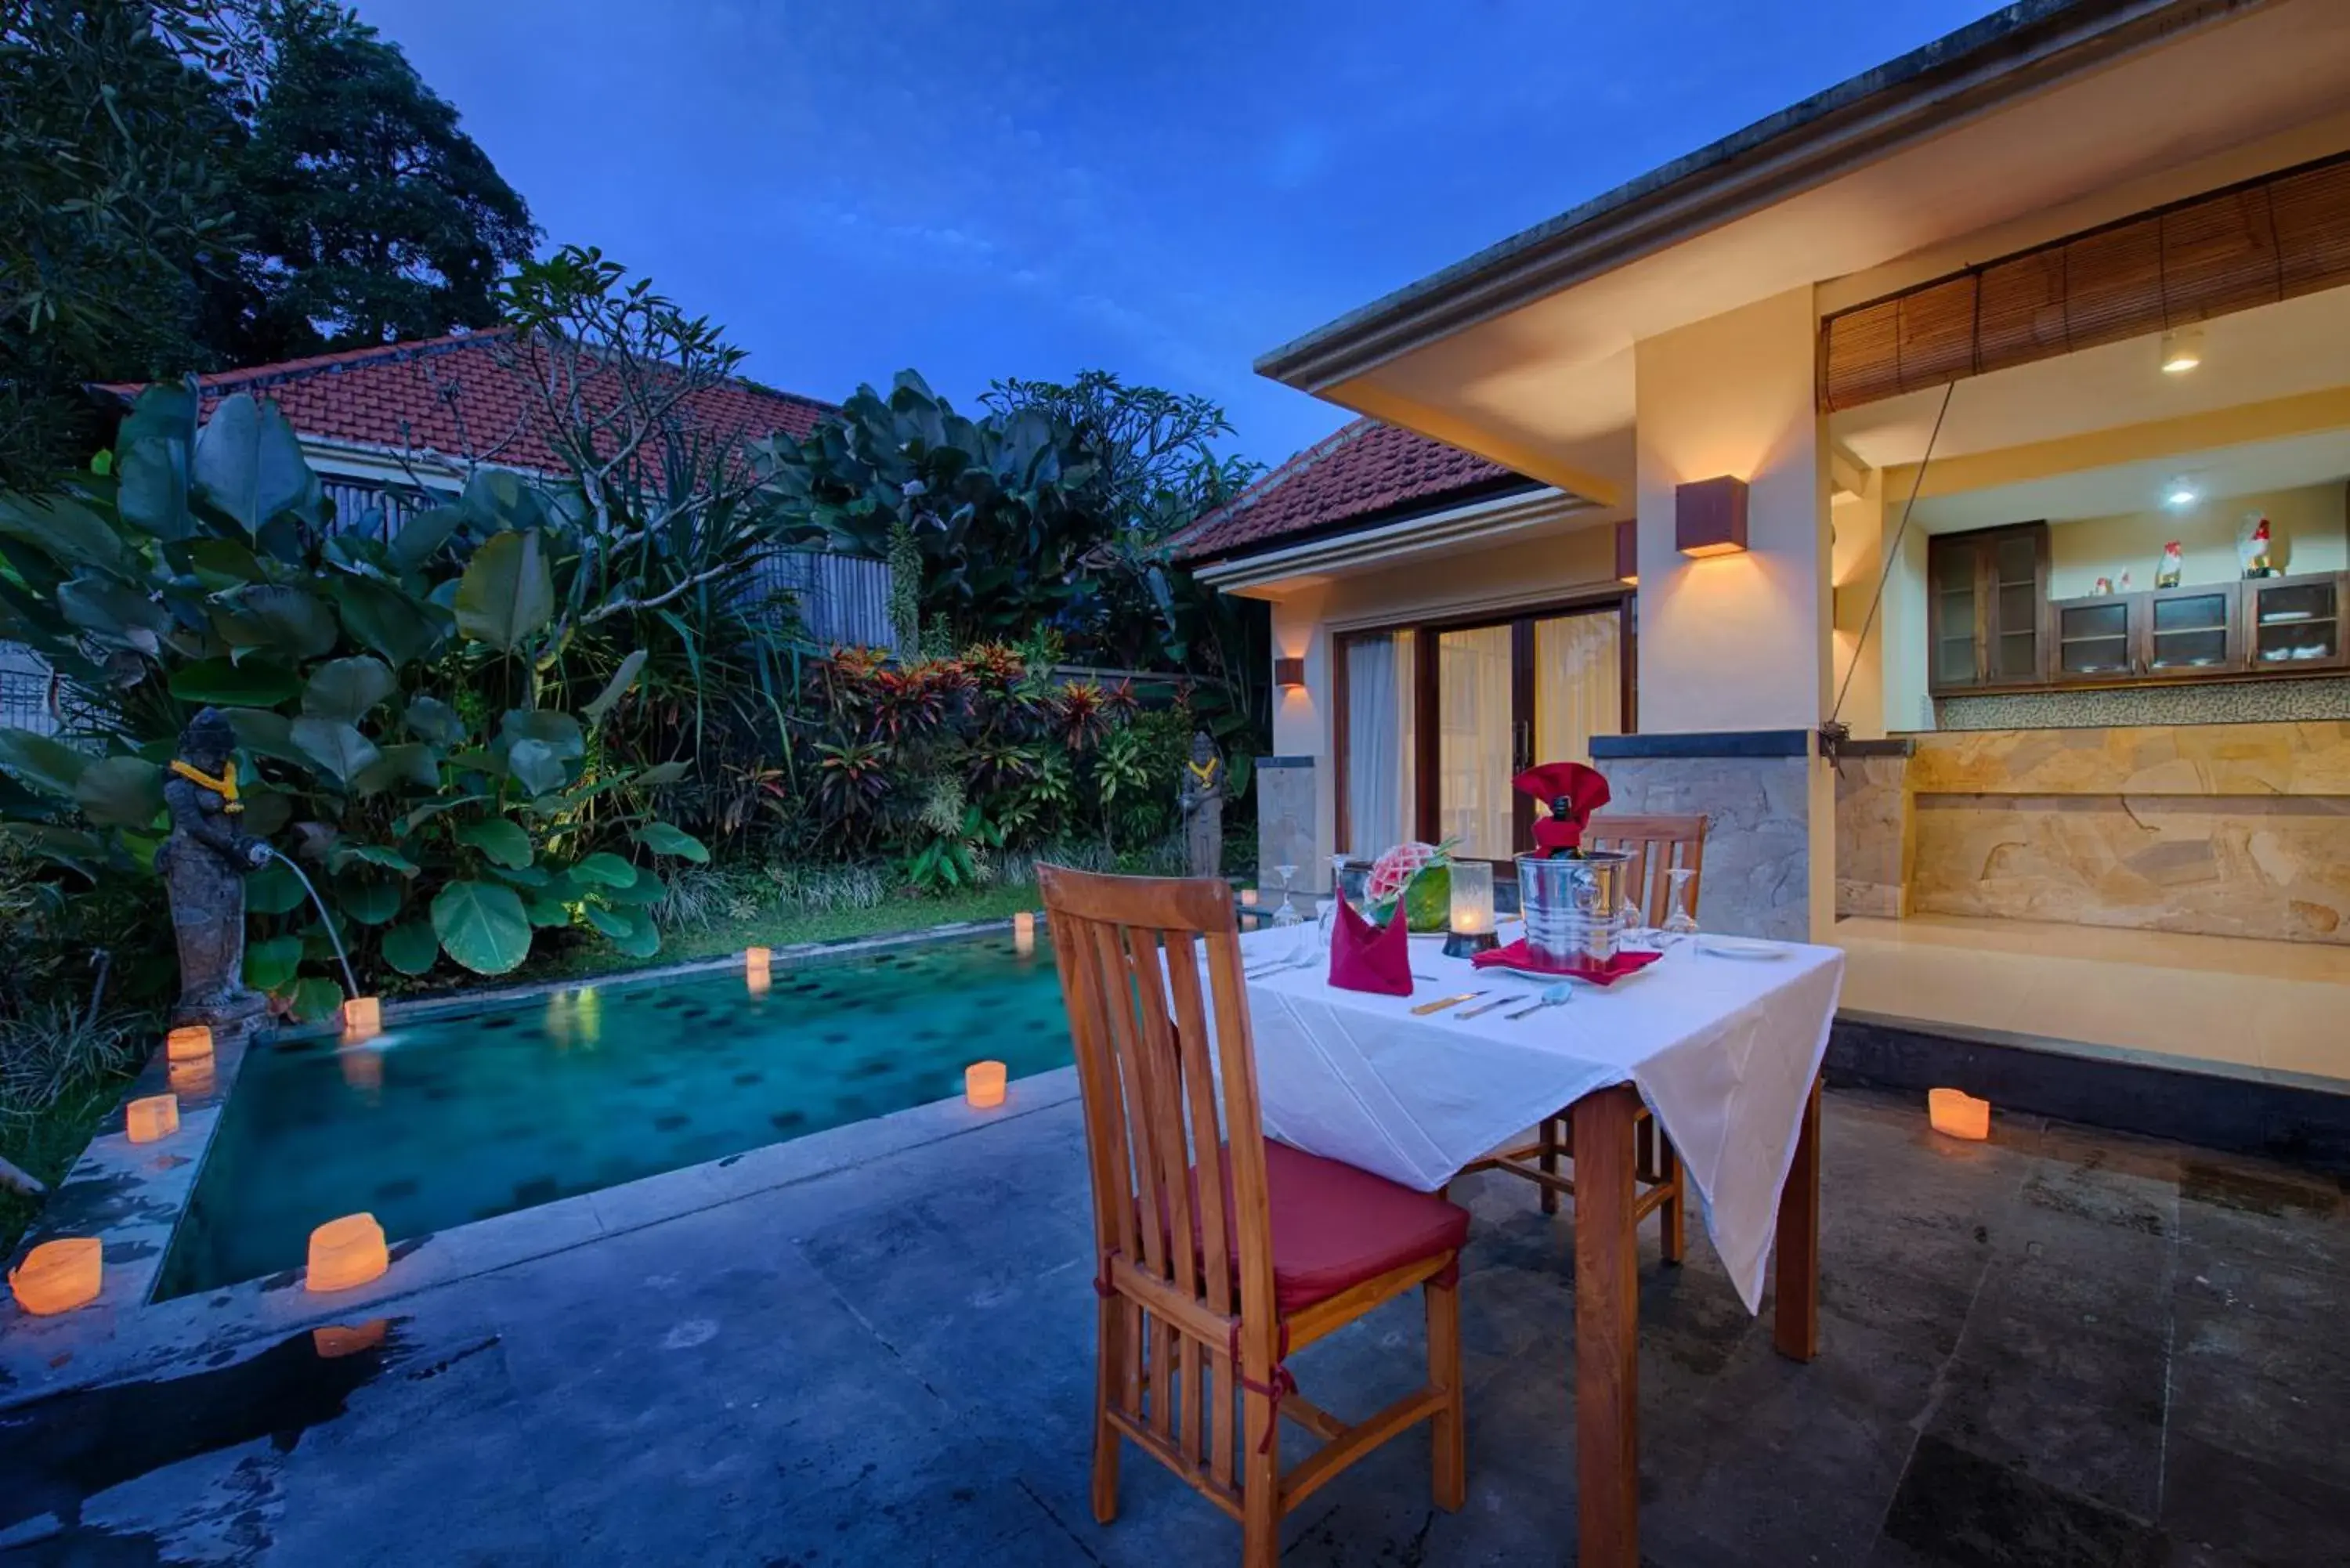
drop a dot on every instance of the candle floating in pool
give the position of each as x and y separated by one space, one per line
756 975
58 1276
362 1018
189 1043
151 1118
1023 931
345 1253
983 1085
1957 1114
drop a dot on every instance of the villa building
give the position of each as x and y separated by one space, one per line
1939 484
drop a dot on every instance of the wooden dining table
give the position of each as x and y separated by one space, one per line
1724 1048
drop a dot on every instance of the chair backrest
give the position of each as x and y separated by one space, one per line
1130 949
1658 844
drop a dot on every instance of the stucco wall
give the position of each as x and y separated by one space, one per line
2305 527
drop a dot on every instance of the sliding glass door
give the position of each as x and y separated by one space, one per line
1434 721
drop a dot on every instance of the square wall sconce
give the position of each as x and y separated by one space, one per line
1289 673
1709 518
1627 552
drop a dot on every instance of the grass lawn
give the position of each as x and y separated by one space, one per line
46 1145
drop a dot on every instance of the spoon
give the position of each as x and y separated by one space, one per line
1552 996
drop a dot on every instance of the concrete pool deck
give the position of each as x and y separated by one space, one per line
2061 1347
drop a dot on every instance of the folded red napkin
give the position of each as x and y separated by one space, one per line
1365 957
1519 956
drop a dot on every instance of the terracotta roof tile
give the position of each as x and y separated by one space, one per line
453 395
1366 469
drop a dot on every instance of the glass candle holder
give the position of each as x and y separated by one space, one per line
1472 924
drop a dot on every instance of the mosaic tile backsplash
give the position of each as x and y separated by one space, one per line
2222 703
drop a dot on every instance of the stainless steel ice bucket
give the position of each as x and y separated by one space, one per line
1571 904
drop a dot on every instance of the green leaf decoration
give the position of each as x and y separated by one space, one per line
345 854
273 890
317 1000
429 718
120 792
411 947
270 965
482 926
536 767
661 774
347 689
248 464
285 620
403 629
335 746
48 766
546 912
507 594
255 684
663 839
643 940
604 869
369 901
611 922
409 763
421 537
502 842
615 688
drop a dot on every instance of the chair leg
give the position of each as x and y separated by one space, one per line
1111 1357
1260 1482
1548 1161
1450 1478
1672 1214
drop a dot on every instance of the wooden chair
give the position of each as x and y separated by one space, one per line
1659 845
1220 1252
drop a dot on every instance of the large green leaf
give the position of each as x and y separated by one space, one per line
120 792
499 499
429 718
662 839
507 594
504 842
68 846
647 888
421 537
285 620
274 890
220 565
559 731
611 922
335 746
643 937
48 766
347 689
114 613
153 493
604 869
346 853
255 684
65 529
408 763
369 901
615 688
410 947
661 773
481 925
546 912
271 964
316 999
401 629
536 767
263 733
248 464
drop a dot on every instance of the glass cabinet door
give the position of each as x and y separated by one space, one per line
2193 629
1954 618
2295 622
2093 637
2014 646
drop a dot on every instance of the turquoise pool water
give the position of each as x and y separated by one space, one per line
462 1117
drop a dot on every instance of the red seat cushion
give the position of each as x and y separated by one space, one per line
1335 1226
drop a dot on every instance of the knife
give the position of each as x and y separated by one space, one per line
1441 1002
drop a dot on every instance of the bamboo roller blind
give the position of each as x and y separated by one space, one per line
2254 244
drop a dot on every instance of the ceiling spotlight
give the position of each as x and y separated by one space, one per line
2181 495
2182 349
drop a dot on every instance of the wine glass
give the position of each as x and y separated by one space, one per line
1327 927
1631 918
1680 917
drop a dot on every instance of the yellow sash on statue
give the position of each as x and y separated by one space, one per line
223 787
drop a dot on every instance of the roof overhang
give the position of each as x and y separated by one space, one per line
1478 525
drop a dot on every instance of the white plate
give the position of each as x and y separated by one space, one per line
1739 948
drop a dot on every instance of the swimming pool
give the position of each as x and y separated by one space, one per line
458 1118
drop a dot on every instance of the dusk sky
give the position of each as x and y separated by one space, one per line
985 188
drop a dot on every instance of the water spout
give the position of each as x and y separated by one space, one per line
351 980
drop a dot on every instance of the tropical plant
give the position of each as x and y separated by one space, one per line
403 718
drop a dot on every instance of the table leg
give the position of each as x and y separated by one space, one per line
1796 1330
1606 1331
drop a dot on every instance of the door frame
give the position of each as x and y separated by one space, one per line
1426 738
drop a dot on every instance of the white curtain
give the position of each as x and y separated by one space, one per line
1475 804
1578 684
1380 751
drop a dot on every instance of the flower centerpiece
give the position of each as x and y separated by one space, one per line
1418 877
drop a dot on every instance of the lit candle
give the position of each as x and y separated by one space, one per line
1954 1112
756 958
189 1043
192 1080
983 1085
1023 931
151 1118
58 1276
756 974
362 1017
1248 897
345 1253
1473 907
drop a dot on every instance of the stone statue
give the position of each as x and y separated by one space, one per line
204 863
1202 800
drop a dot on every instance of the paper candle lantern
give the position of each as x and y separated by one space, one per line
58 1276
189 1043
1023 931
154 1116
983 1085
1473 908
336 1340
1248 897
363 1017
192 1080
1958 1114
345 1253
757 957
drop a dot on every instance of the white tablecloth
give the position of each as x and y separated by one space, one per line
1723 1050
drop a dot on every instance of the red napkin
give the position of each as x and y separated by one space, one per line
1519 956
1365 957
1572 793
